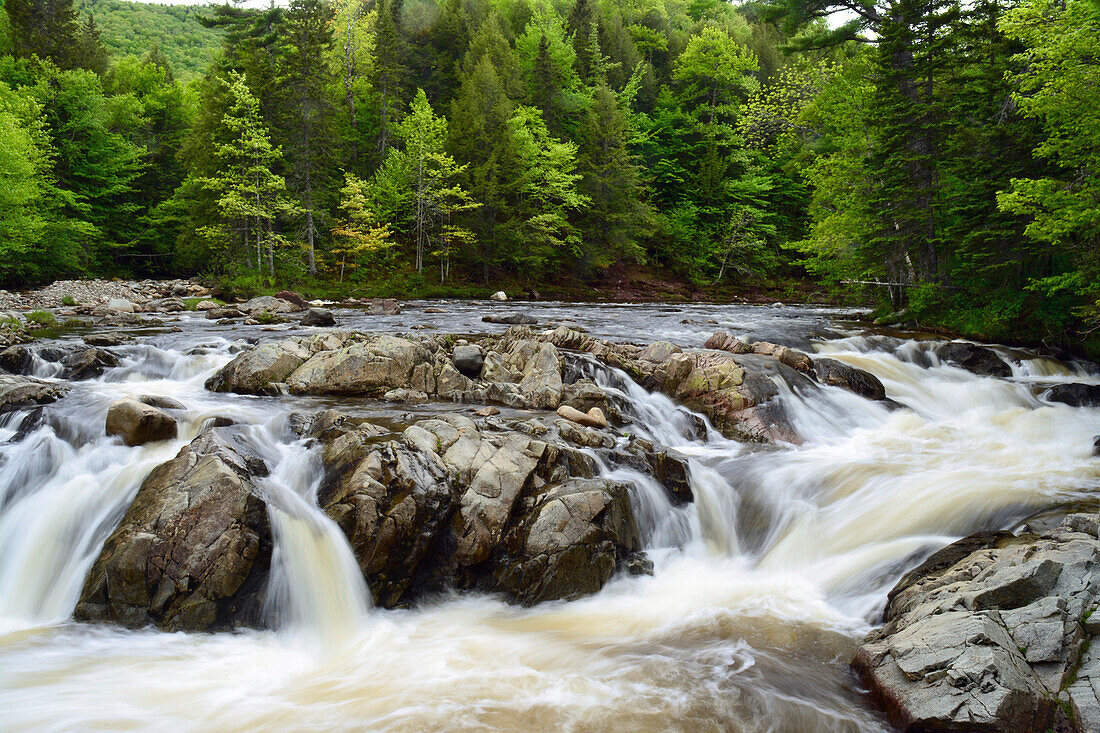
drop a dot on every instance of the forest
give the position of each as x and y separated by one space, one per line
938 159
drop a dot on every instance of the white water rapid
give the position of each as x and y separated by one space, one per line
762 587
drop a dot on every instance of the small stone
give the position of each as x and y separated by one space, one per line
205 305
487 412
597 417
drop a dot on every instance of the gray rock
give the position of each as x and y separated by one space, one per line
468 359
318 317
120 305
138 423
17 392
383 307
161 402
218 314
499 295
193 550
111 338
369 367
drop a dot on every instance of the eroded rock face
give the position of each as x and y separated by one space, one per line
193 550
138 423
988 634
454 503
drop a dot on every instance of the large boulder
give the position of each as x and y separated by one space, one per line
17 392
838 374
194 549
1074 394
252 371
294 299
980 360
119 305
138 423
383 307
988 634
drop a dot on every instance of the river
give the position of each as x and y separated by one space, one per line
762 587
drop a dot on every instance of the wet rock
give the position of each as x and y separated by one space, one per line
193 550
839 374
487 412
583 395
138 423
988 634
511 319
217 314
17 392
17 359
468 360
294 299
499 295
784 355
251 371
121 318
120 305
1075 394
1096 446
87 363
977 359
318 317
206 305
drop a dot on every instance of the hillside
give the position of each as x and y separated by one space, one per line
132 28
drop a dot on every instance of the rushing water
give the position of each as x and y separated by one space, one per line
761 590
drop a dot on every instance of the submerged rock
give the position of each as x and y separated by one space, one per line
138 423
193 550
980 360
88 363
988 635
511 319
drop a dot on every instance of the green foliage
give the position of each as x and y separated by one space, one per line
134 28
68 300
41 318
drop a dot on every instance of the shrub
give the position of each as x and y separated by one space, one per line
41 318
68 300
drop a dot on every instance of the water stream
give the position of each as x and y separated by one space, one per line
761 589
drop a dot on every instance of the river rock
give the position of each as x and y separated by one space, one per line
383 307
980 360
370 367
218 314
468 359
17 392
206 305
87 363
318 317
193 550
138 423
17 359
1075 394
727 342
988 634
266 303
294 299
839 374
499 295
120 305
251 371
161 402
511 319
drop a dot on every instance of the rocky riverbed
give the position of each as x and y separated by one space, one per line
726 488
